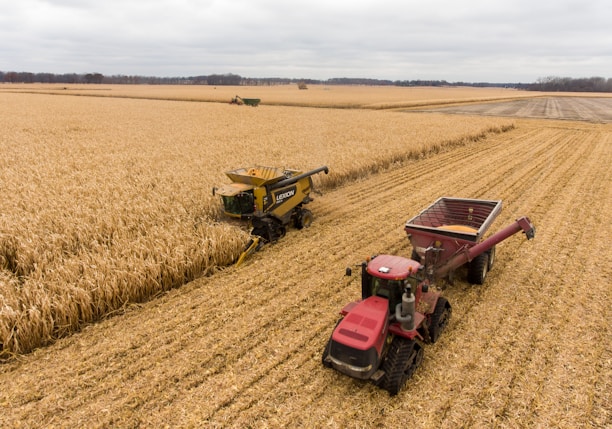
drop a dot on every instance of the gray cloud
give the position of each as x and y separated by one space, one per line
473 40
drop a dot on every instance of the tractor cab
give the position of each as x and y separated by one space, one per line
389 289
387 276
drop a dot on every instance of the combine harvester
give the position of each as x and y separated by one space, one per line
380 337
253 102
270 198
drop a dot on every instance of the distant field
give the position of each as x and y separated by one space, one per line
590 109
288 95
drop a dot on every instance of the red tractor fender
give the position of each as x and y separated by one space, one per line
396 328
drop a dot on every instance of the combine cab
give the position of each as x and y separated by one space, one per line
270 198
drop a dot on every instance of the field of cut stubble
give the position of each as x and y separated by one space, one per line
242 347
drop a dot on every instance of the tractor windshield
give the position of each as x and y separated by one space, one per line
390 289
239 204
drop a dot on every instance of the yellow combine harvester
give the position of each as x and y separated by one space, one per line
270 198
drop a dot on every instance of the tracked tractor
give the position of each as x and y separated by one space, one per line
380 337
270 198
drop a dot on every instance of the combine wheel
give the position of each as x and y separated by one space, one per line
439 319
477 269
402 360
260 232
304 219
268 228
491 253
276 231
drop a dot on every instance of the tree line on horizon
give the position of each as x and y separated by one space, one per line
548 84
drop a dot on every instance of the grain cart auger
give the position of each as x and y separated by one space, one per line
381 336
270 198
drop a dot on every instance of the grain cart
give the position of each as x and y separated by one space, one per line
270 198
453 226
380 337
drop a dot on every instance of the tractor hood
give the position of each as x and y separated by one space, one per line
363 327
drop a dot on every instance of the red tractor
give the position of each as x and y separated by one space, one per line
380 337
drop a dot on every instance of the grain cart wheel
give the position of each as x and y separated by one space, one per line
402 360
477 269
491 261
304 219
439 319
415 256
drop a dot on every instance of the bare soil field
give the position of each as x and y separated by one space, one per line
588 109
242 347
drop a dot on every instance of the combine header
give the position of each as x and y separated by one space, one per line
381 336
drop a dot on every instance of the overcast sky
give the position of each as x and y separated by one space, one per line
469 40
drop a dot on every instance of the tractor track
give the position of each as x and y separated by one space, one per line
243 347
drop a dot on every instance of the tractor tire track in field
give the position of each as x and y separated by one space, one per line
243 347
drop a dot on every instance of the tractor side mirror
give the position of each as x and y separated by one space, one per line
348 272
214 190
